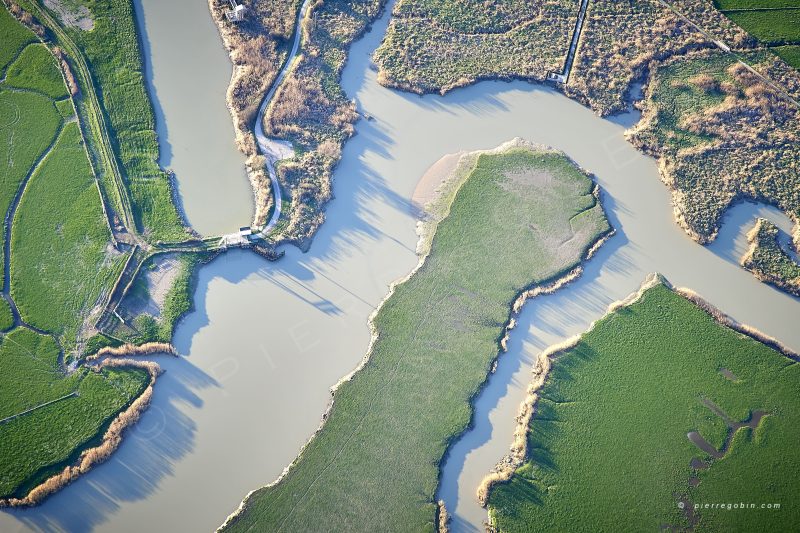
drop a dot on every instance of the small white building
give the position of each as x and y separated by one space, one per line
236 13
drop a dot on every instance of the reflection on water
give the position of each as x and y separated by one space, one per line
267 340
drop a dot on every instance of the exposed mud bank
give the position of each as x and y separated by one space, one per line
112 438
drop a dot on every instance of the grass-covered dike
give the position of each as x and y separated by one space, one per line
521 218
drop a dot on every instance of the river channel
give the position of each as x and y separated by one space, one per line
267 340
188 71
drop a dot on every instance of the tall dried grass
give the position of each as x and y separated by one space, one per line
442 518
27 19
127 350
69 76
110 442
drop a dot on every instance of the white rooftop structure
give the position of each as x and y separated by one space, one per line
236 13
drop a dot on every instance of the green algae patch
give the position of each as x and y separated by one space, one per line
609 445
523 217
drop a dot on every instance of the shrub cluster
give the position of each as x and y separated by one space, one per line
723 134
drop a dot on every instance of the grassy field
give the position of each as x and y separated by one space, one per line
36 69
771 27
592 465
769 23
61 257
790 54
767 260
438 45
113 52
62 264
6 316
15 38
28 126
617 44
375 464
754 4
115 107
37 444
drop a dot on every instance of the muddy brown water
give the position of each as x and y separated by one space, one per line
267 340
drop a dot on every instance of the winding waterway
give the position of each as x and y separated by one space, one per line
267 340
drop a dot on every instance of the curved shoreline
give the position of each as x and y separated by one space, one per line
519 448
112 438
517 454
436 210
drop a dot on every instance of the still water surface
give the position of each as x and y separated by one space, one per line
187 71
267 340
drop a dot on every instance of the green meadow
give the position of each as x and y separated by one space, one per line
608 447
61 265
775 23
61 256
40 443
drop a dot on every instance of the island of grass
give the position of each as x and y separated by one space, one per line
508 221
768 261
661 408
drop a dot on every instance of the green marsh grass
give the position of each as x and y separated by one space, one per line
28 126
608 447
38 444
61 256
36 69
374 466
15 38
6 316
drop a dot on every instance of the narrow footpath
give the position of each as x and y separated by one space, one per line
266 146
563 76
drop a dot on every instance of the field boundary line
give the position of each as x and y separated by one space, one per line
35 407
